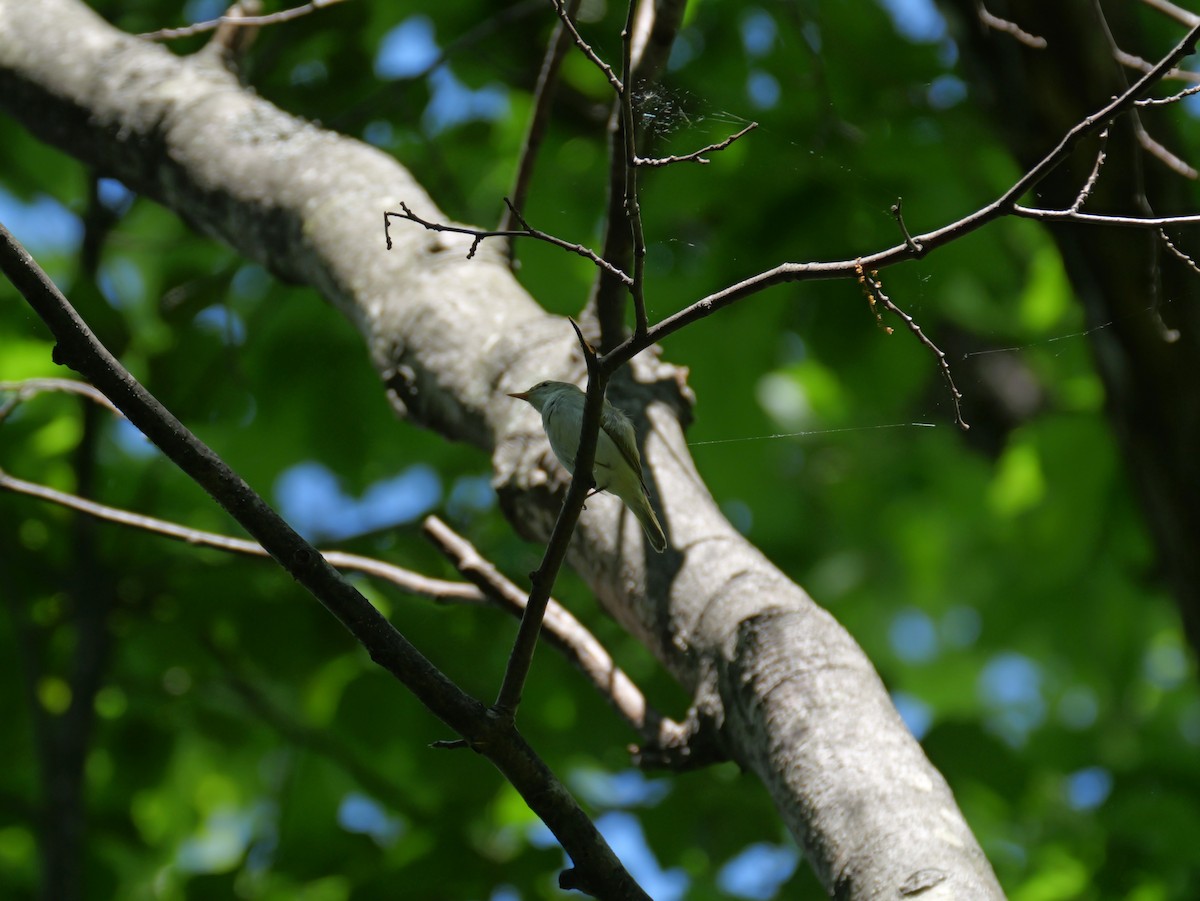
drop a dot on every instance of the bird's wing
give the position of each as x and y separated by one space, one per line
620 430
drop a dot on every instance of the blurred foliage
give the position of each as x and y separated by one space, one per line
1002 580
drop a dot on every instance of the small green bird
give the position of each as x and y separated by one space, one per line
618 468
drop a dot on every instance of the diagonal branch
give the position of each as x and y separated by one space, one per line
543 577
563 630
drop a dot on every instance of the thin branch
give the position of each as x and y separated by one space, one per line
543 97
28 388
1090 185
870 281
1010 28
479 234
1183 16
696 156
633 209
1162 154
563 630
585 47
1179 254
1174 98
898 215
439 590
1072 215
595 865
170 34
1132 61
521 657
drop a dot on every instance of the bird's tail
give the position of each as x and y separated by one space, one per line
653 528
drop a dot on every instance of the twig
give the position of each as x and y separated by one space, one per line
585 47
439 590
1132 61
1010 28
286 15
543 97
521 657
1163 155
633 209
571 637
1179 14
871 281
1183 257
898 215
28 388
696 156
490 735
1071 215
1090 184
479 234
868 290
1174 98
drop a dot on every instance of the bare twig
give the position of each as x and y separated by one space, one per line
898 215
1162 154
1184 16
439 590
1010 28
479 234
1090 184
633 209
869 290
562 628
870 280
560 7
1179 254
696 156
1174 98
1103 218
1132 61
286 15
28 388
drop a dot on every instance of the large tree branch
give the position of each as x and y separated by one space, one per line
794 697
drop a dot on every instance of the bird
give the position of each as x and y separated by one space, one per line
618 467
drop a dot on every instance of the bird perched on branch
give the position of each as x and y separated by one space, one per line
618 467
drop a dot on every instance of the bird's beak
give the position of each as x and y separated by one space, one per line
521 395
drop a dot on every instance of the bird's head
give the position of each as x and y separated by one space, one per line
543 392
